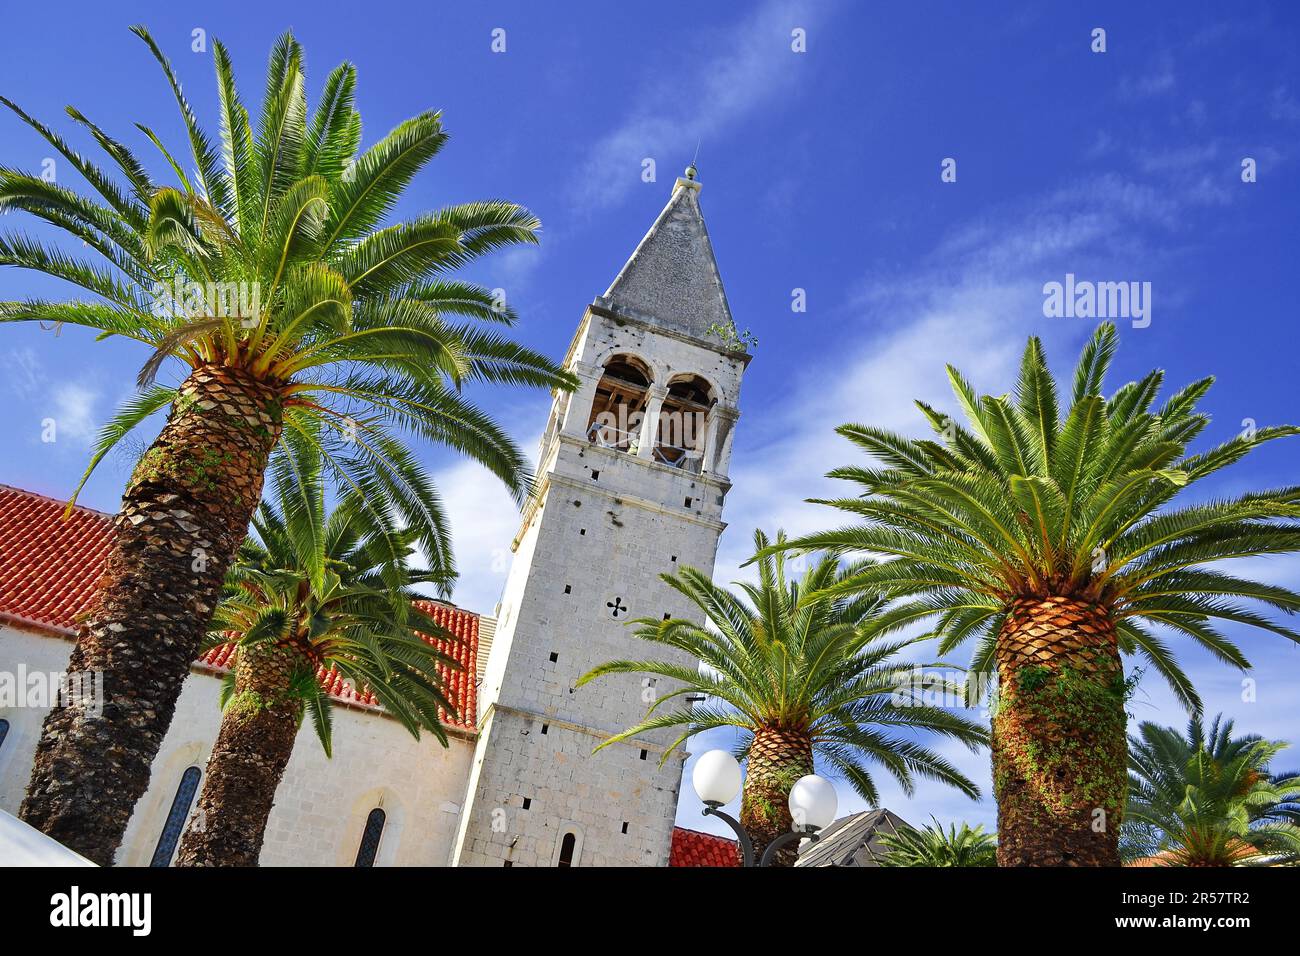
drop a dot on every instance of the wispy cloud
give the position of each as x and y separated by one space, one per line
514 270
1284 107
74 412
742 70
484 520
1159 78
971 302
71 406
25 371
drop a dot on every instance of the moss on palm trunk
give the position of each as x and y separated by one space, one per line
1059 736
777 759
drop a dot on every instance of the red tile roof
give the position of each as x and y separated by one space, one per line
461 685
49 568
693 848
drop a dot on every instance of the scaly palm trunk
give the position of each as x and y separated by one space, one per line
253 747
777 758
1058 736
183 516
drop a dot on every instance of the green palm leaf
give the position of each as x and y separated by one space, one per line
1035 501
783 653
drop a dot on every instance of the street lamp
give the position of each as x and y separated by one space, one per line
717 780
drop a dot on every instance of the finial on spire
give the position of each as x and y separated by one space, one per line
689 178
691 170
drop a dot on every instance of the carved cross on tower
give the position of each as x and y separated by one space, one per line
616 605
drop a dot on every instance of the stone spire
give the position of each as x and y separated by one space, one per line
672 279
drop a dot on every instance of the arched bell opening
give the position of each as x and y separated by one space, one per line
619 404
683 423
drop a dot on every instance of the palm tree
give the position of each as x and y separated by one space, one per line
309 592
1209 799
1045 540
798 678
269 275
934 846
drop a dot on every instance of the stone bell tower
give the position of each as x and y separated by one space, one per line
632 476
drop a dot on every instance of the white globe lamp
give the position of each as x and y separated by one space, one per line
716 778
813 803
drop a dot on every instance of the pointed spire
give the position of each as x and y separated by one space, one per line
672 279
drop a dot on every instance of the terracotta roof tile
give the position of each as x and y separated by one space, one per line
693 848
50 566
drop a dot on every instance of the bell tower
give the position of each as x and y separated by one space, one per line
632 477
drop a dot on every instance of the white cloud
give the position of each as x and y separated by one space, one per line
1284 106
1157 80
745 69
513 270
484 520
25 371
74 412
971 303
1177 159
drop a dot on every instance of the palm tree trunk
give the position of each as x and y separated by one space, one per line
777 758
1059 746
258 729
184 514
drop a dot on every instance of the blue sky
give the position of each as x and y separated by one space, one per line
821 172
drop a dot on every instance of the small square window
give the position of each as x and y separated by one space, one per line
568 589
528 802
667 615
582 531
644 755
546 728
555 656
595 474
688 502
674 559
624 826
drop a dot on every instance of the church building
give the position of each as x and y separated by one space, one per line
631 483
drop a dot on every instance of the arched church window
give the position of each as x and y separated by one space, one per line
369 848
567 846
682 423
620 403
176 817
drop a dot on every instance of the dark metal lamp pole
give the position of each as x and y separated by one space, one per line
713 809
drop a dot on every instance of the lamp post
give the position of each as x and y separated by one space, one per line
717 780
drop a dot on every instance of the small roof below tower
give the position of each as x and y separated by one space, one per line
672 279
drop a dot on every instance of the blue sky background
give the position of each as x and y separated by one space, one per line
821 172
